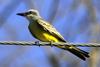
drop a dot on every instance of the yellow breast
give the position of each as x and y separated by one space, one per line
41 34
49 37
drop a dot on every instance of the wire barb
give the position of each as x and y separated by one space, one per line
37 43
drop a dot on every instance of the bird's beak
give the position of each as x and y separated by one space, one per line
21 14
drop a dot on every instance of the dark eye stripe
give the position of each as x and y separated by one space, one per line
30 12
27 13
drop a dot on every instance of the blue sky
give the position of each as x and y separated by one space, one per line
72 23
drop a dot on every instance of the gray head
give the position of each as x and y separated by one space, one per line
30 14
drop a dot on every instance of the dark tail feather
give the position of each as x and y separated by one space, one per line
78 52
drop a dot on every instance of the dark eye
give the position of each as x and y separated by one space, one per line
30 12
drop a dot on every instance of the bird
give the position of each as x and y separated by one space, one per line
45 32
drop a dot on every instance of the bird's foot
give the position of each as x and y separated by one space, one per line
51 43
37 43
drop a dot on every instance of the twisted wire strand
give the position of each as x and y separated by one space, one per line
37 43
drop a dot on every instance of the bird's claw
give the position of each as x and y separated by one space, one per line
51 43
37 43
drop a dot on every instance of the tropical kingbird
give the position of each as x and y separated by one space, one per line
44 31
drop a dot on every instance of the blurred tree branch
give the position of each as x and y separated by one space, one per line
8 10
91 10
53 10
95 29
54 60
29 4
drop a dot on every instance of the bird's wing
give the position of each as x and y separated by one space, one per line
76 51
49 28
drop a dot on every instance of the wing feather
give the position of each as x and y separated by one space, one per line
49 28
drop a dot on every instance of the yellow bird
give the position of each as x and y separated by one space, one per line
44 31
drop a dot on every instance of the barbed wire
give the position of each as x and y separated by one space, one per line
37 43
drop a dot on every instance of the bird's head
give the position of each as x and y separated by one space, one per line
30 14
